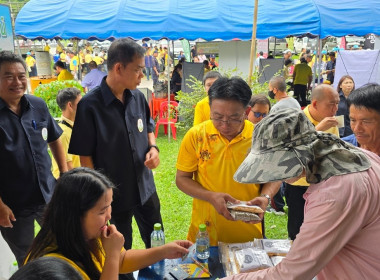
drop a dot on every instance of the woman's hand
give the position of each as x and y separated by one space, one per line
112 241
176 249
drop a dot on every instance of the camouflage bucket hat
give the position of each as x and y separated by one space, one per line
286 142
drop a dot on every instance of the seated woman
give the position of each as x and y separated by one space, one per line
75 230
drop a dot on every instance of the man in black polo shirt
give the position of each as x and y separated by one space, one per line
26 181
113 132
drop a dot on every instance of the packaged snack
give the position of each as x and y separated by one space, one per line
249 259
244 212
273 247
276 259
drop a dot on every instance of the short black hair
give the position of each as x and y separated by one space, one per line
67 95
59 64
10 57
367 96
288 61
234 88
332 54
92 64
123 51
259 99
47 268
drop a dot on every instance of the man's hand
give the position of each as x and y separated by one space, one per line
326 124
262 202
6 216
219 201
152 159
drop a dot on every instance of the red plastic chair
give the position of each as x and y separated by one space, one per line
173 117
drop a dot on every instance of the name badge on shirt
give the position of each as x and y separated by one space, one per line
44 133
140 125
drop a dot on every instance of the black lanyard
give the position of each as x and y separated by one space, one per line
66 123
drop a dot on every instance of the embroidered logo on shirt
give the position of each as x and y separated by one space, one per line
205 155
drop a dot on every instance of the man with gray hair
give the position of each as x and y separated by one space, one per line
113 131
277 91
339 236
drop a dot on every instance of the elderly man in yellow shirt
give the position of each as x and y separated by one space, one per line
67 100
202 109
321 113
209 156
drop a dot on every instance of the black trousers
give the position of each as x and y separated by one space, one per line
300 94
296 203
20 237
146 216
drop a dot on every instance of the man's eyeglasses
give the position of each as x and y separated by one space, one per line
258 114
229 121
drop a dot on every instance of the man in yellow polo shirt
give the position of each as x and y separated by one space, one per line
67 100
321 112
202 109
209 156
63 73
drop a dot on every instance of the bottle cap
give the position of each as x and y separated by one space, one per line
202 227
157 226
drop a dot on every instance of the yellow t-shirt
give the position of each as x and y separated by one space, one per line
62 57
88 58
202 111
72 66
58 48
214 160
303 72
333 130
98 60
65 75
65 139
30 61
47 48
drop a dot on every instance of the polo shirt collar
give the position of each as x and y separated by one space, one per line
107 94
70 122
308 115
25 104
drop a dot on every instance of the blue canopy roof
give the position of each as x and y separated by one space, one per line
193 19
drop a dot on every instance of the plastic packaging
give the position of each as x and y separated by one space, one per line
203 243
157 238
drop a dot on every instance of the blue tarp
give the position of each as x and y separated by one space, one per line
193 19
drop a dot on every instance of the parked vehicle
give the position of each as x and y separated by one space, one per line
277 46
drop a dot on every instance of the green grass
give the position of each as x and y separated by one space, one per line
176 206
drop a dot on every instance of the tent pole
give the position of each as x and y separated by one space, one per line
253 43
79 62
315 64
168 76
319 61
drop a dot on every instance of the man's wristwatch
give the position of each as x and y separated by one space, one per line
267 197
154 146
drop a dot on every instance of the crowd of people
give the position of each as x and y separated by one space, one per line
241 148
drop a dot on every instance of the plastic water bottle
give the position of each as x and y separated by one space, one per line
13 268
157 238
203 243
